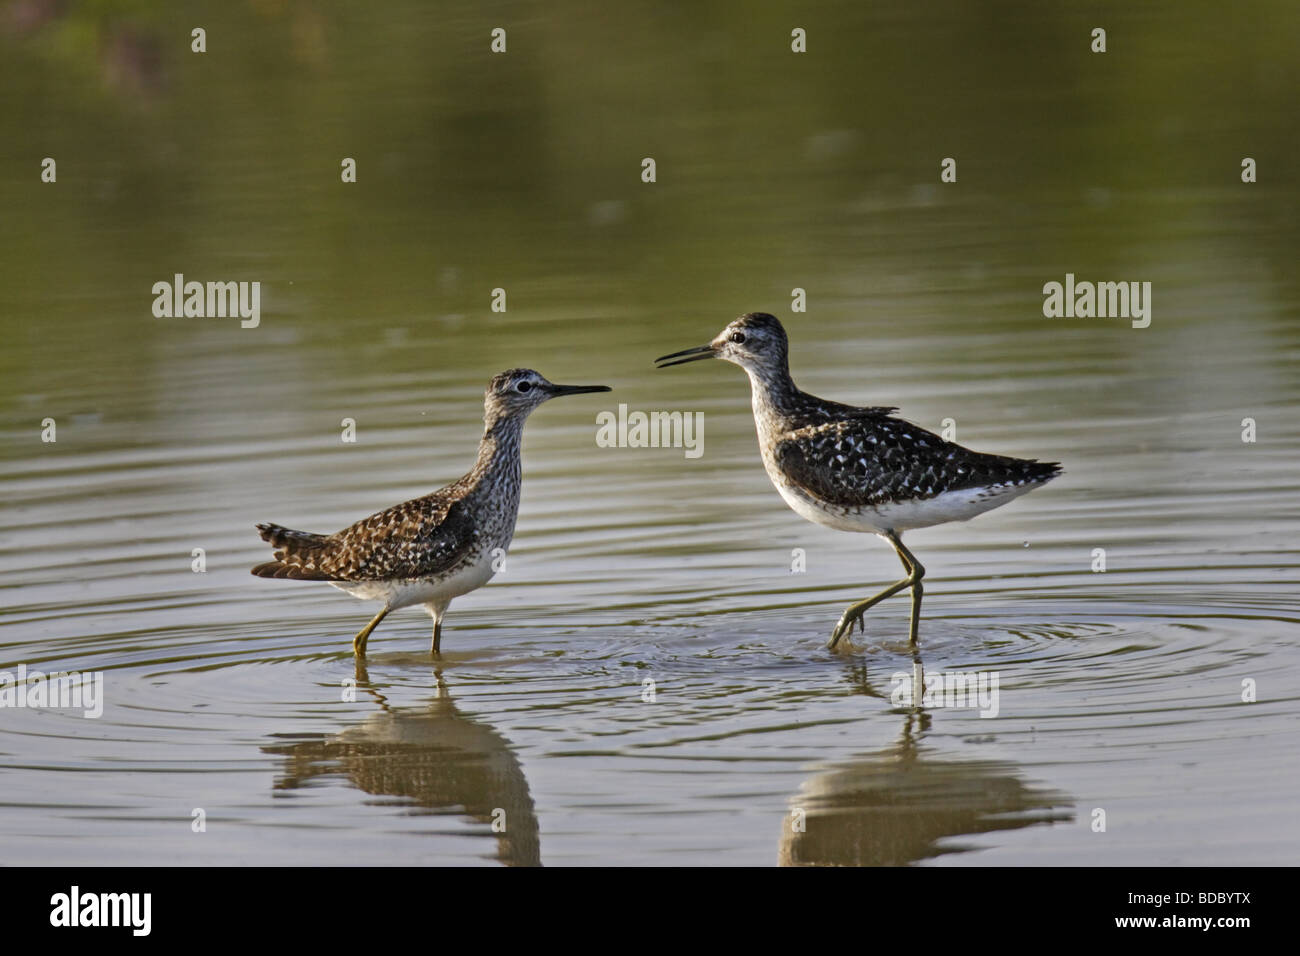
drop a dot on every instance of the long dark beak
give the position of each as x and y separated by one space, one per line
557 390
691 355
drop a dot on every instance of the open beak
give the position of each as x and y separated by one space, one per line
557 390
686 355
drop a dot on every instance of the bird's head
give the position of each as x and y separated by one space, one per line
517 391
755 341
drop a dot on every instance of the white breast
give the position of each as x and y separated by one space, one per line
902 515
438 591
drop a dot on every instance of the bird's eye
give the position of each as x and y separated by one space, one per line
524 386
738 338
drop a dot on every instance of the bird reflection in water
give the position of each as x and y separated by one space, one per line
435 758
905 804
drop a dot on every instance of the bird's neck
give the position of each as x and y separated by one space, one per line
498 449
774 393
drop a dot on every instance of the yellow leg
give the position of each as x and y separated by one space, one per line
915 573
853 614
436 611
359 642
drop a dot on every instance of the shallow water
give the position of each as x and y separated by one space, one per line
1118 690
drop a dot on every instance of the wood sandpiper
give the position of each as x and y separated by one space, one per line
429 550
860 469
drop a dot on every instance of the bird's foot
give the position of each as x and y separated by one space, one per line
845 626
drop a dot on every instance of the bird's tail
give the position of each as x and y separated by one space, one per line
1044 471
297 554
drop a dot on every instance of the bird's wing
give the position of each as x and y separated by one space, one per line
835 410
811 410
418 538
872 461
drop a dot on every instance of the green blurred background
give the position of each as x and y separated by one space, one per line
522 170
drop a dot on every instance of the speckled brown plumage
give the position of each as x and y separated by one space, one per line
431 549
421 538
418 538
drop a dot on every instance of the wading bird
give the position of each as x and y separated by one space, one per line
429 550
860 469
